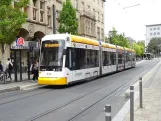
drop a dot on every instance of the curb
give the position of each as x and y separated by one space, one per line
10 89
25 87
31 87
125 109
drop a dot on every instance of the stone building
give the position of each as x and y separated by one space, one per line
42 19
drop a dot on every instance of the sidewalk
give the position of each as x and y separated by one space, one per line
23 85
151 110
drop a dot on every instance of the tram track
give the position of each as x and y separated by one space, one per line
37 93
121 88
2 102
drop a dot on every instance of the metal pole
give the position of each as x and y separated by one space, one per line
140 88
131 103
20 66
108 113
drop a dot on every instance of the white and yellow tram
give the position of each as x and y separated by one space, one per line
65 59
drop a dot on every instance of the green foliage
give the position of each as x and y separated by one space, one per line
154 45
107 40
11 20
121 40
67 19
118 39
139 47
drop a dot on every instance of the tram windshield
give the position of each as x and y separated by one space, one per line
52 55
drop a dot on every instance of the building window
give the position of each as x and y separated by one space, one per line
76 4
102 4
93 11
150 29
88 8
57 13
158 33
98 33
34 3
26 11
49 11
98 16
34 13
49 20
86 27
91 28
151 34
154 28
154 33
158 28
49 16
102 18
102 33
41 5
82 5
41 16
98 2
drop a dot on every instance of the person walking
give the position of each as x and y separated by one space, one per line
9 67
34 70
1 67
1 71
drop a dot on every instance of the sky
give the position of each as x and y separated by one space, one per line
133 20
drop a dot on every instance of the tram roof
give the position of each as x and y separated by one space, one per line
128 49
55 37
107 45
120 48
83 40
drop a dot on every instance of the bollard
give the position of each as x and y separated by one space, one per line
108 113
131 103
140 88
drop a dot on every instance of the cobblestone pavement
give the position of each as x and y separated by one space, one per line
151 110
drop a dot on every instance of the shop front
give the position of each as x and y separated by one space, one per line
23 53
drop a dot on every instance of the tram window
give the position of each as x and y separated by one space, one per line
67 58
82 59
105 58
113 58
75 59
120 58
96 60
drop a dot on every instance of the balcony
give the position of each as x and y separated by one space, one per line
88 15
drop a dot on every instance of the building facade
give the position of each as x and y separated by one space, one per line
152 31
42 19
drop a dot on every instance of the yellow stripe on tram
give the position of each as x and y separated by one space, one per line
52 81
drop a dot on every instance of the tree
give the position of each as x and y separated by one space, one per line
118 39
141 43
139 47
67 19
107 40
11 20
153 45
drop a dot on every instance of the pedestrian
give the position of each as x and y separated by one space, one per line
9 67
1 67
1 70
34 70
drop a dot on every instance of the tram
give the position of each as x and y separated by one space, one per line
66 59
